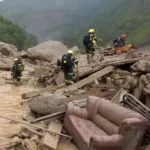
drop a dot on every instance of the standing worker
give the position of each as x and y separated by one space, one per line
120 41
17 69
90 42
68 64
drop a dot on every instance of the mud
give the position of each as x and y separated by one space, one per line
10 106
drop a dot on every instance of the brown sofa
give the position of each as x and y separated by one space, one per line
104 126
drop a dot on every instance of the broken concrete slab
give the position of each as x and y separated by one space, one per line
51 140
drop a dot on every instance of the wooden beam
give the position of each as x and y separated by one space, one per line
88 80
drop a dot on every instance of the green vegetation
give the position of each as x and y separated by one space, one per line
13 34
69 21
117 17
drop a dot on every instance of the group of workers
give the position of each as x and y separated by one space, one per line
90 40
69 61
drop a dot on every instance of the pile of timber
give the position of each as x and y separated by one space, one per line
56 77
106 82
49 77
37 137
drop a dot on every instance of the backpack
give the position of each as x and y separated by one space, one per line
66 61
86 40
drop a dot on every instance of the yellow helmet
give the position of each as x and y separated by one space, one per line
91 30
16 59
70 51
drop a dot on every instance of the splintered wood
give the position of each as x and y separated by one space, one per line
89 79
51 140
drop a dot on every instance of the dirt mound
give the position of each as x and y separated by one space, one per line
49 50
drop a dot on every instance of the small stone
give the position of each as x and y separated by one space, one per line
16 139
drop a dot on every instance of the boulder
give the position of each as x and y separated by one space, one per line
6 63
8 49
141 66
46 104
48 51
75 49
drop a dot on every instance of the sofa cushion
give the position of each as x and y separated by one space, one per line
85 128
109 127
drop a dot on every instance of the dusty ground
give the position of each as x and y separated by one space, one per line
10 100
10 106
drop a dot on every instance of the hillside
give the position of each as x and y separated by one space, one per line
117 17
11 33
47 19
68 21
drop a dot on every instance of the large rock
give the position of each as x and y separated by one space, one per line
75 49
141 66
8 49
47 104
48 51
6 63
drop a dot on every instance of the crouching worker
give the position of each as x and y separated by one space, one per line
17 69
68 64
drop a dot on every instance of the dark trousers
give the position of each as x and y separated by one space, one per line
68 73
90 51
17 75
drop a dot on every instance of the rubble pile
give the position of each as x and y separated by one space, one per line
124 80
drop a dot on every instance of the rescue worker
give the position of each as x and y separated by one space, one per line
68 64
90 43
17 69
120 41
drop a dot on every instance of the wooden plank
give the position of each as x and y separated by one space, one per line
50 140
108 93
88 80
37 93
30 94
104 86
60 78
37 127
114 63
96 82
48 117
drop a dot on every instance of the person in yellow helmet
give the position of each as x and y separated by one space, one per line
17 69
68 63
90 42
